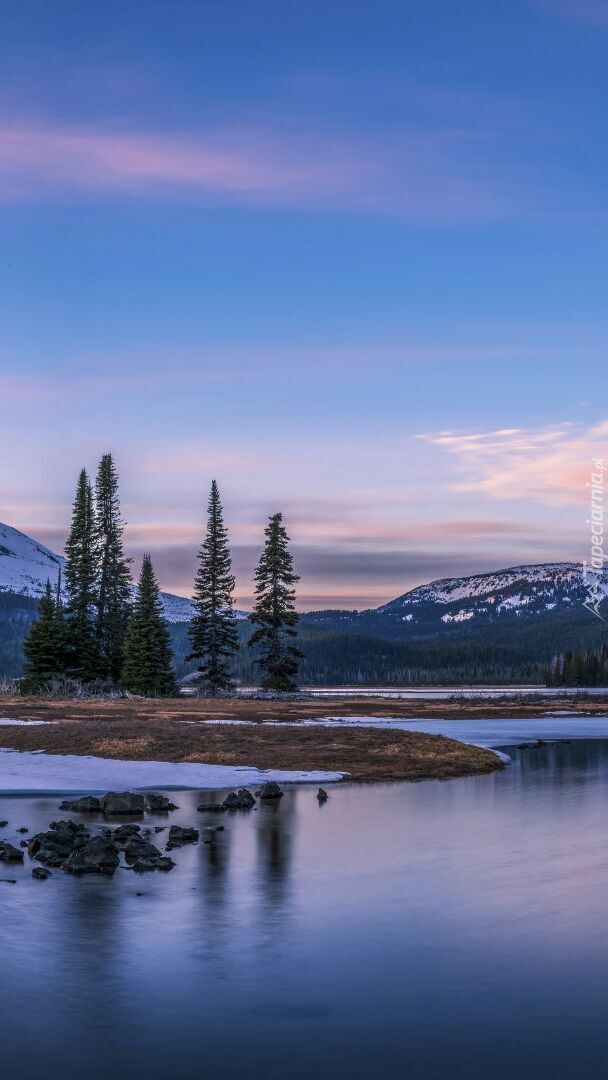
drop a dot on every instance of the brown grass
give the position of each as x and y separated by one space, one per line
151 730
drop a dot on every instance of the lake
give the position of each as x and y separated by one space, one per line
454 929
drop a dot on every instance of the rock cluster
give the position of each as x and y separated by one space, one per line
243 799
70 846
120 802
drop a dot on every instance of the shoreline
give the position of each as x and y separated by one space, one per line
153 731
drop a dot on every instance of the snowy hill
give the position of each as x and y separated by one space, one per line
535 588
26 566
467 605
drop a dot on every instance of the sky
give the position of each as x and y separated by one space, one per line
348 259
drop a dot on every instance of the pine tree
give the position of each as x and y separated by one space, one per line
274 611
213 633
114 578
82 658
44 645
147 667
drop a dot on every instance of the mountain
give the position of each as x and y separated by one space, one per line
26 566
504 626
511 597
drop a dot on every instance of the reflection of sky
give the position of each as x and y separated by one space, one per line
276 250
397 921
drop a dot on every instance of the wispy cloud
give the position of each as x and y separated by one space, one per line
437 174
550 465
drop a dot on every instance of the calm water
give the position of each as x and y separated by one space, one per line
453 929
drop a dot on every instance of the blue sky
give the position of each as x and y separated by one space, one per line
349 259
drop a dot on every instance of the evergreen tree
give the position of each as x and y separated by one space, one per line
114 578
80 585
44 645
147 667
213 633
274 612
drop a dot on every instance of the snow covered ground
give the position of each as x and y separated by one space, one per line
54 774
488 733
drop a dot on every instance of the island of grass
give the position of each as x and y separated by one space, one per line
138 730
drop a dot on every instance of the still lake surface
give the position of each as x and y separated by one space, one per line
453 930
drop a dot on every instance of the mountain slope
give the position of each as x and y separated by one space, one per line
26 566
465 606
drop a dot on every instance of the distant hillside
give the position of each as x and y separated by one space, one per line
502 626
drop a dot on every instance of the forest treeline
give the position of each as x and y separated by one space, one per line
93 628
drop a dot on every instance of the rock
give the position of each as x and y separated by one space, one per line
270 790
98 856
88 804
163 862
158 804
23 843
124 834
66 825
159 828
179 836
212 807
122 802
41 873
3 824
23 829
239 800
322 795
8 853
141 865
141 849
54 847
8 880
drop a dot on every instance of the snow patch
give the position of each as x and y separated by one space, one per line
7 721
459 616
59 774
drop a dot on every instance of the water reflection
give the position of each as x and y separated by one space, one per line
428 930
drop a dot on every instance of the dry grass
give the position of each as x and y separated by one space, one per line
151 730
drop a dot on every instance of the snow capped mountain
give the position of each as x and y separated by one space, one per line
26 566
534 589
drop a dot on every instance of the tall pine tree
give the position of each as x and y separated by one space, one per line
82 660
147 667
213 632
114 578
274 613
44 646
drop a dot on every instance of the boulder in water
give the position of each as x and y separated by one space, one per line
98 856
158 804
122 802
87 804
8 853
239 800
270 790
179 836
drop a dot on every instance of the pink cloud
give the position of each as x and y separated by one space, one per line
550 465
438 174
